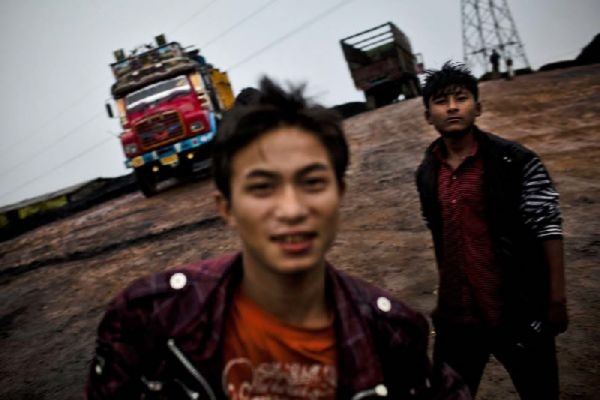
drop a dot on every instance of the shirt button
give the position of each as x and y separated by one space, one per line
384 304
453 201
453 177
178 281
381 390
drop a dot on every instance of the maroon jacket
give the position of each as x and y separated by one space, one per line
161 337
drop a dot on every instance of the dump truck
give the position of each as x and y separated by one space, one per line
382 64
169 100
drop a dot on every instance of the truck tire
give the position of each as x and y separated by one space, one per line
147 182
412 88
371 102
379 96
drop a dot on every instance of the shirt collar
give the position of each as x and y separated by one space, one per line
440 151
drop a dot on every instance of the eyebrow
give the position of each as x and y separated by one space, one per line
451 90
268 174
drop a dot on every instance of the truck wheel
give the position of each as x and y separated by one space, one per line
371 102
412 88
146 181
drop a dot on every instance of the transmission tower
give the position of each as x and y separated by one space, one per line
488 25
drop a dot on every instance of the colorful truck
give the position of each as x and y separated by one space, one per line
382 64
169 101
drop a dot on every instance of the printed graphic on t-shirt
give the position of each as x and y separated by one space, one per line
276 380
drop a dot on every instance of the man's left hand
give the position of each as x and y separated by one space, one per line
558 318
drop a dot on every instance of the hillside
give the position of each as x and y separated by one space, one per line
56 280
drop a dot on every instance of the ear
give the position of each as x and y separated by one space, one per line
427 116
224 208
342 187
478 109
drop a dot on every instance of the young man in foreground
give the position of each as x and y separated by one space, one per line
275 321
496 226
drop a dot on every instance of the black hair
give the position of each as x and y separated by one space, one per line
450 77
247 95
259 111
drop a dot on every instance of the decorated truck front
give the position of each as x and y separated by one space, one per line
169 101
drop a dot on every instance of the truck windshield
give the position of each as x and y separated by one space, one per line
156 92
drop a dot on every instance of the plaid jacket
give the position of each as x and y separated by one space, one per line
160 338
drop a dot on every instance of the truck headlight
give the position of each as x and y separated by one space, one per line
130 148
196 126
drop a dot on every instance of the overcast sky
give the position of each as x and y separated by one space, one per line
55 54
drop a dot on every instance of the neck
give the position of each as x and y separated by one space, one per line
459 144
296 299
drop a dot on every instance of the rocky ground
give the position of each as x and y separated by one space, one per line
56 280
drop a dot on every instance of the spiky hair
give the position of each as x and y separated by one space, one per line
258 111
451 76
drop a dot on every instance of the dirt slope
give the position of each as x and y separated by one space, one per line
55 281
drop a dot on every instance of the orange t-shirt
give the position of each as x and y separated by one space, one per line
267 359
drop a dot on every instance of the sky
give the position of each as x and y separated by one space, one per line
56 78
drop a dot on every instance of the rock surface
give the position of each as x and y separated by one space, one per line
56 280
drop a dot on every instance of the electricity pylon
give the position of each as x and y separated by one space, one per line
488 25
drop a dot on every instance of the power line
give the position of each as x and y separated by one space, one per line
38 130
32 133
238 23
290 34
27 183
194 15
31 157
85 95
226 31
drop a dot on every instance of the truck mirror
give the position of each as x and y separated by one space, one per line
109 110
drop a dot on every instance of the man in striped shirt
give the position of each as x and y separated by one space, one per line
496 226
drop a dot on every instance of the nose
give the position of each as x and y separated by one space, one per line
452 104
290 205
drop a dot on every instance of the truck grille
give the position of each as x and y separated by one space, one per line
159 129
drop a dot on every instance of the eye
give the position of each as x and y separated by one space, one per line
315 183
439 100
260 189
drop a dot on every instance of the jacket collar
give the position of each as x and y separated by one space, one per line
438 145
358 366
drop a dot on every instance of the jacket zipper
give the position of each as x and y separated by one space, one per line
193 371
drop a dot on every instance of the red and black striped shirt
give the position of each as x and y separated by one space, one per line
469 286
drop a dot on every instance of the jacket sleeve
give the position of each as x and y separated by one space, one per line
420 184
115 371
539 201
421 206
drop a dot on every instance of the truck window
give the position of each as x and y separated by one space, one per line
169 88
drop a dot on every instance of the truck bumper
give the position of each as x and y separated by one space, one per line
168 154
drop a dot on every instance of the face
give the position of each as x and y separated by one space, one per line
284 202
454 112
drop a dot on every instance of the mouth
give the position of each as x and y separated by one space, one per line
293 237
453 120
295 242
